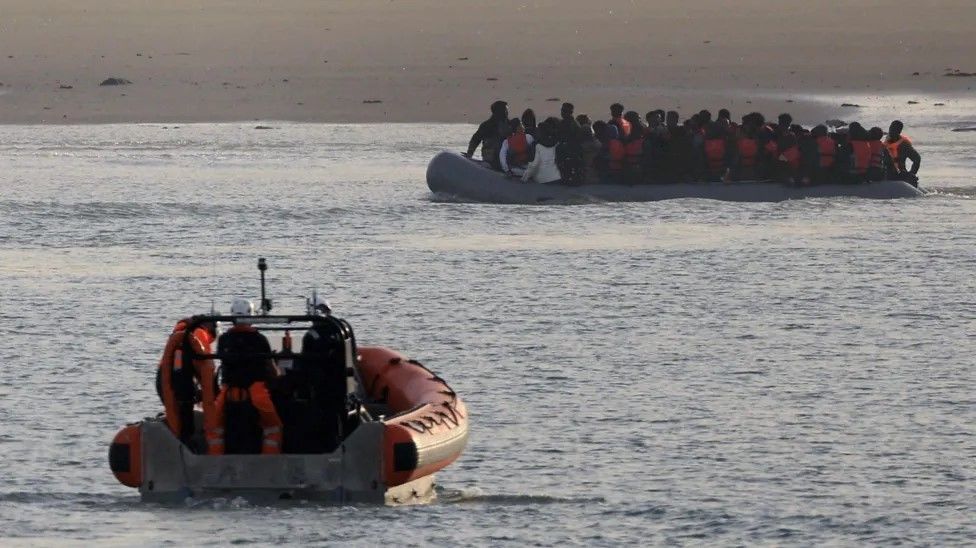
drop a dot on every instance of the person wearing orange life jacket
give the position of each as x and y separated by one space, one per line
617 119
634 148
900 149
790 159
247 421
718 153
181 382
860 153
826 155
876 168
609 162
747 152
516 150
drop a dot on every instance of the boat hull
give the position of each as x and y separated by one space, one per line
454 175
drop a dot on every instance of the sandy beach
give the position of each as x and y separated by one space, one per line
429 61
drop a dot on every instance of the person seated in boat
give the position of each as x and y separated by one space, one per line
247 421
826 155
490 135
876 170
789 161
516 150
180 387
809 154
718 153
860 153
843 163
654 156
746 151
634 149
901 149
679 154
610 162
617 120
590 147
543 169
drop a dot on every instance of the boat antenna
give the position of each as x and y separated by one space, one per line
265 302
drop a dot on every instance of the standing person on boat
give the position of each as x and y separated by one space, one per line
181 383
617 119
490 134
860 153
543 168
528 122
570 152
654 159
516 150
900 149
247 421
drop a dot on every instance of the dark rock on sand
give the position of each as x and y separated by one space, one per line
852 105
961 129
553 99
65 86
913 102
115 82
263 127
371 101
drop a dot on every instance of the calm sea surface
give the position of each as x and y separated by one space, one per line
685 372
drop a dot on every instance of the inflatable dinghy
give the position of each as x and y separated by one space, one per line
454 175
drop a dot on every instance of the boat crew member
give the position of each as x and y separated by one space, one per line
181 383
900 149
516 150
490 134
247 421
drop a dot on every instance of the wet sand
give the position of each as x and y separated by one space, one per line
427 61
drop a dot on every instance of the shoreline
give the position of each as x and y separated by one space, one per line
421 62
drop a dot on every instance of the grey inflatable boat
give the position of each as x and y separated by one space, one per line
451 174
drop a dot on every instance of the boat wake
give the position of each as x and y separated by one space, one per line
478 496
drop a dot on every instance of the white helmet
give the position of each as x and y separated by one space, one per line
318 305
241 307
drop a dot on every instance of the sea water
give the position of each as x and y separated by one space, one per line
682 372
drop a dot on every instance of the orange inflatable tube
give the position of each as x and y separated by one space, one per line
428 425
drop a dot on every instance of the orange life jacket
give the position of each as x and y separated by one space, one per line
634 150
259 397
792 157
862 156
748 151
877 154
617 155
828 151
715 155
172 365
518 149
893 147
622 125
771 149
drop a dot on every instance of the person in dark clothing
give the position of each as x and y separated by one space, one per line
900 149
570 152
529 123
490 134
617 119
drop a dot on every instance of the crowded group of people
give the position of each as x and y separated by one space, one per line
661 148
